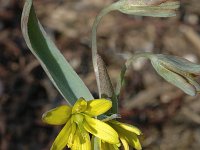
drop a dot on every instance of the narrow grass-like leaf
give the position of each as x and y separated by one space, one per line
57 68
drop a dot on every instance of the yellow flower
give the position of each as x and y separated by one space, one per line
79 123
128 135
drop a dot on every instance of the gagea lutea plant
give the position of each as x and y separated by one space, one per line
88 123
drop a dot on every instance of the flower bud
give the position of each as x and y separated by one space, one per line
178 71
154 8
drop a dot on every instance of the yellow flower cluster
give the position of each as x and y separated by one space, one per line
80 121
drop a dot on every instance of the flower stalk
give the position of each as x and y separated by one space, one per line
154 8
102 13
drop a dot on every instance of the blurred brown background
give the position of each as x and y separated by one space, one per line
169 119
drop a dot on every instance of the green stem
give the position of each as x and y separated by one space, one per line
103 12
126 65
136 56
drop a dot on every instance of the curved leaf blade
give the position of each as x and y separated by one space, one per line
55 65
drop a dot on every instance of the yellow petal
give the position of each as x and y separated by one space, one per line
62 138
85 142
125 126
124 143
78 119
79 106
95 142
104 146
57 116
108 146
131 138
128 135
135 142
101 130
98 106
71 135
113 147
80 142
76 143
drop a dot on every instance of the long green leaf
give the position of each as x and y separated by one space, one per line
57 68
